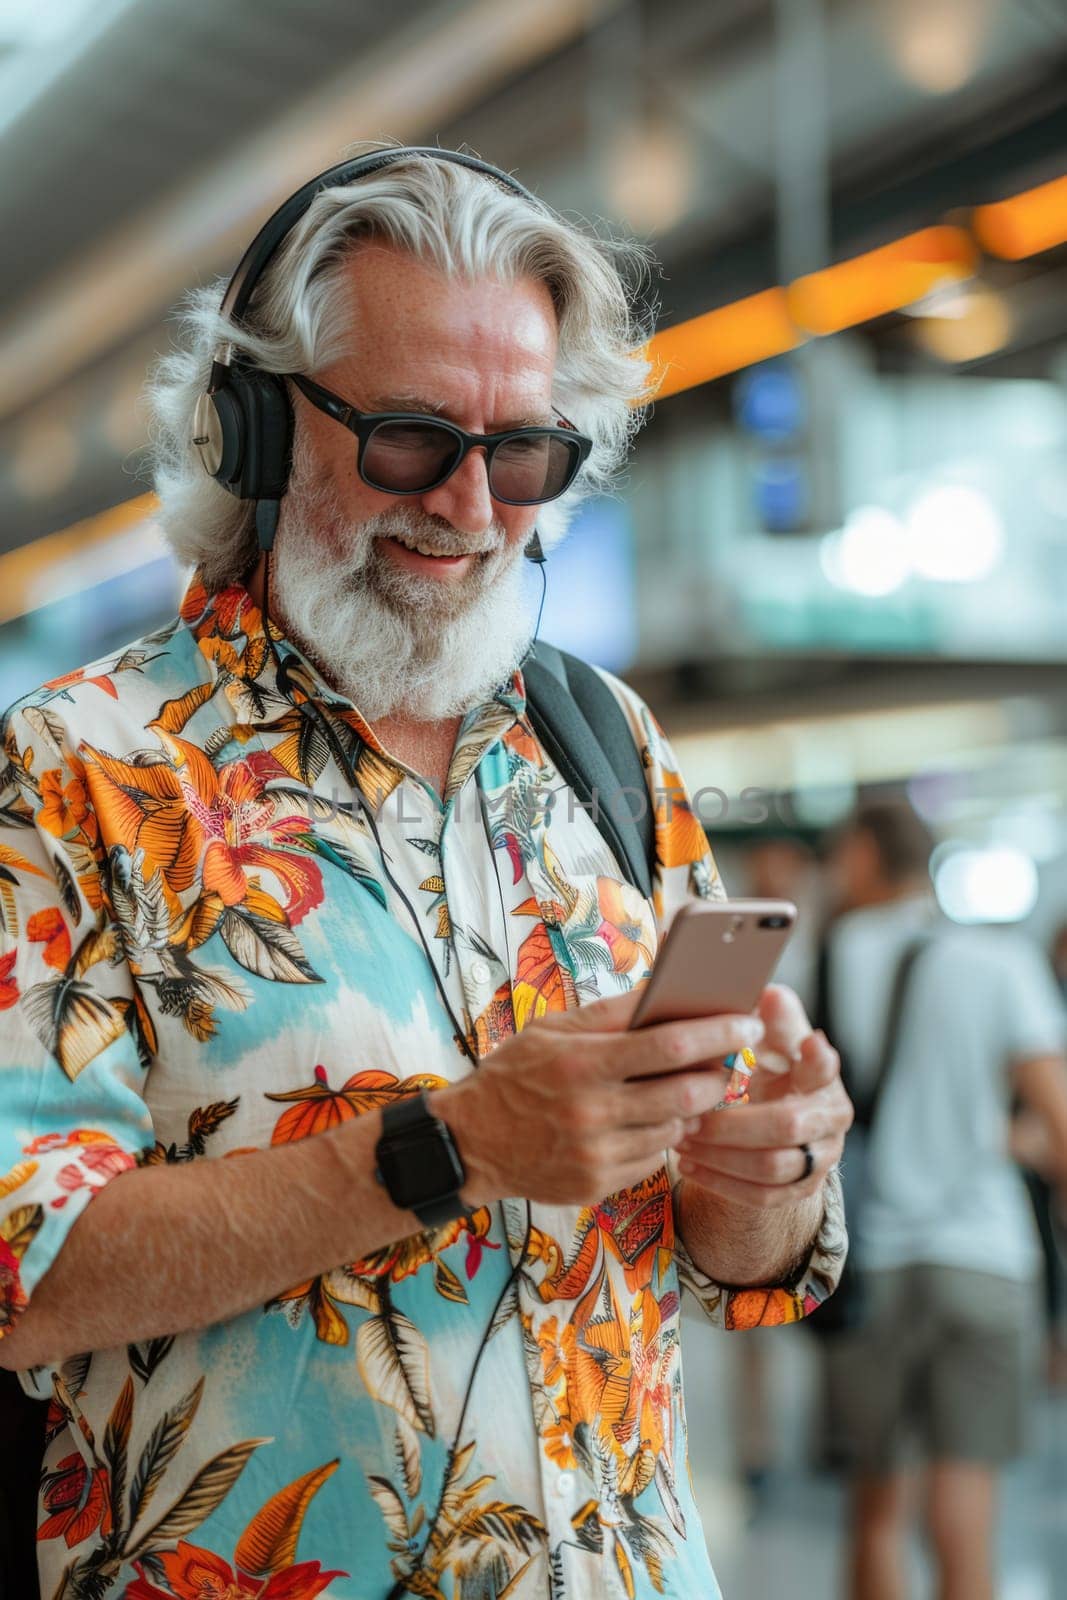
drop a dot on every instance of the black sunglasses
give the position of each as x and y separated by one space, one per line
404 452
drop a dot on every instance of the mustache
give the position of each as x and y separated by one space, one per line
421 528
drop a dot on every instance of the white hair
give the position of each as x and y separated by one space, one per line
446 216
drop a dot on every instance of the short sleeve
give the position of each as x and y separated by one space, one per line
72 1042
1034 1017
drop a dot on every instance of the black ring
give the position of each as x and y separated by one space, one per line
809 1162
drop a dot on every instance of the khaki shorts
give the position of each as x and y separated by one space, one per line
944 1362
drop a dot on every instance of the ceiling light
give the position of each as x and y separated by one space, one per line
954 534
936 44
971 323
991 885
650 176
870 553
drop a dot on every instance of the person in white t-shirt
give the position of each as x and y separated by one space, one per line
944 1242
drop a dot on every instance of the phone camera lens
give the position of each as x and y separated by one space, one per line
774 922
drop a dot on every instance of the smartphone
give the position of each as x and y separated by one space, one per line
717 956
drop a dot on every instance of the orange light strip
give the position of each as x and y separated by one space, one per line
1026 224
842 296
725 340
735 336
881 281
20 570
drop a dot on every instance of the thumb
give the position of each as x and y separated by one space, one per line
815 1065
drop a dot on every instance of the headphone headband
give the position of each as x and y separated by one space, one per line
270 237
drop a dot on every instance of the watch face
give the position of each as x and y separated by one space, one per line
420 1168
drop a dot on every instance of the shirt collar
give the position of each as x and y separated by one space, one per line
229 632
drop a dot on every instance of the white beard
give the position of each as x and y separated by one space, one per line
391 641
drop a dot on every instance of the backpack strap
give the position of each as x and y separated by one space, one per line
865 1101
585 733
903 980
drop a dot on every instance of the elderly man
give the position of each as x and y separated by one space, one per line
276 880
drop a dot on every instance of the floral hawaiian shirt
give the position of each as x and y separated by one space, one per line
200 955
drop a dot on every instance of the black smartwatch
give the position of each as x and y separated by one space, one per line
418 1162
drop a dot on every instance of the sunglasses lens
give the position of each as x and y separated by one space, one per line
404 457
533 467
410 456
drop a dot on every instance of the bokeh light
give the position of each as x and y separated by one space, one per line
955 534
998 884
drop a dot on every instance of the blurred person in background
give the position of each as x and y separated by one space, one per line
775 867
1034 1151
272 888
784 867
945 1252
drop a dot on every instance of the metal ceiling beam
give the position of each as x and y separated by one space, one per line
417 79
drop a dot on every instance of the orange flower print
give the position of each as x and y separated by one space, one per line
49 929
763 1308
622 1383
193 1573
79 1500
194 601
64 807
557 1351
234 815
521 740
403 1259
9 989
69 679
558 1442
638 1226
316 1107
230 608
626 925
680 836
185 816
541 982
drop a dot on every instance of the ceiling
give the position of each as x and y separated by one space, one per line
144 140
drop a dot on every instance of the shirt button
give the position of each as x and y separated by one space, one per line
480 971
565 1483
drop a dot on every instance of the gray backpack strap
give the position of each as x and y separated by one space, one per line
585 732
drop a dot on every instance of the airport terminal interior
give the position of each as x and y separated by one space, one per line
836 565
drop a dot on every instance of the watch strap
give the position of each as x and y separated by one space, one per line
413 1115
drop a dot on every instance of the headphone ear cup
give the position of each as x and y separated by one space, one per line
268 432
243 431
219 436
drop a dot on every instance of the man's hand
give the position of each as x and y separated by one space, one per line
554 1115
754 1154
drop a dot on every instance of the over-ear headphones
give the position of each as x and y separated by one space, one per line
243 423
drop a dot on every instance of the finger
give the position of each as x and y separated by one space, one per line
783 1168
642 1144
610 1014
817 1064
673 1046
775 1125
759 1196
785 1018
680 1094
